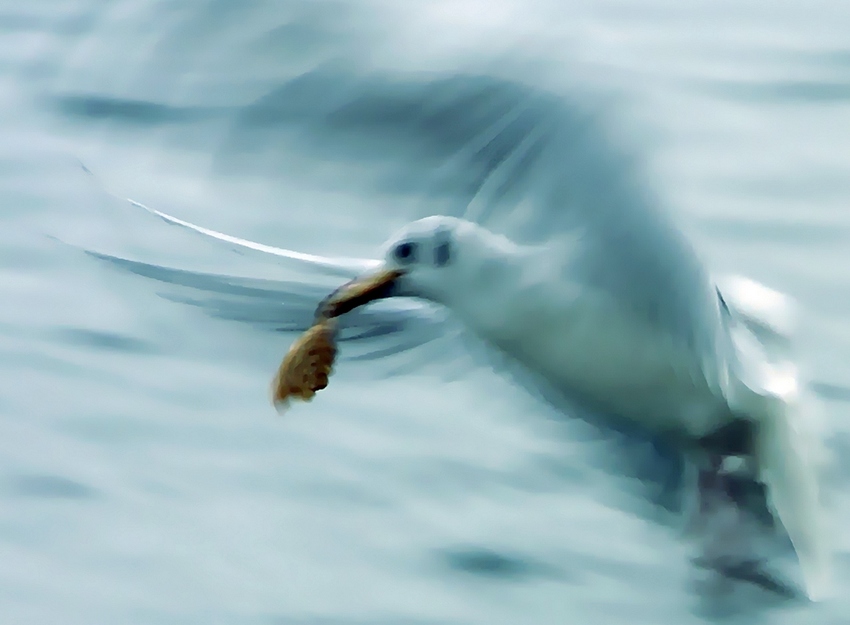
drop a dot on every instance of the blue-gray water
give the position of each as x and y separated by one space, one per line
144 478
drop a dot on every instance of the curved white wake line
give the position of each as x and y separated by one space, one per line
347 267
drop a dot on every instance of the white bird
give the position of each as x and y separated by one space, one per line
638 329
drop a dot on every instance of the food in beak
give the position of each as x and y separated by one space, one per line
309 362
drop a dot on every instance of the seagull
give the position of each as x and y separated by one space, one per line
639 329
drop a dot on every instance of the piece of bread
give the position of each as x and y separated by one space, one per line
308 364
310 359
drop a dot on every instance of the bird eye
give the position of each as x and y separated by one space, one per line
405 252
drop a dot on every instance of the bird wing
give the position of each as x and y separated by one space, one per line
341 266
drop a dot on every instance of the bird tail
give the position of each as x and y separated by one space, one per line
788 469
766 388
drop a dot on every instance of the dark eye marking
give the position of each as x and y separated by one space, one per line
442 254
405 252
442 248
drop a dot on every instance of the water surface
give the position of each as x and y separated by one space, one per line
143 476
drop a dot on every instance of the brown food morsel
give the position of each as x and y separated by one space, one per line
308 364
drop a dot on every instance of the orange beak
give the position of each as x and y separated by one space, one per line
358 292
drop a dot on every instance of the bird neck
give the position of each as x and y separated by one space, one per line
497 292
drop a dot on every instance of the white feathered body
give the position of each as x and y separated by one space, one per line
641 330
